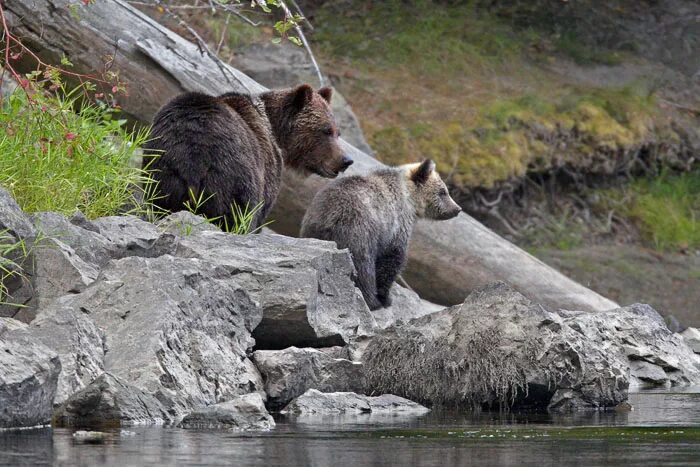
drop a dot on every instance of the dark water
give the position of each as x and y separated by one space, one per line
663 429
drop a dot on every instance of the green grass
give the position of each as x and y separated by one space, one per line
570 45
58 156
453 82
666 209
421 34
239 222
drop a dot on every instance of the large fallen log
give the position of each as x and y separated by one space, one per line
447 260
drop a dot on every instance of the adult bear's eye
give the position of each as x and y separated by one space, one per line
328 131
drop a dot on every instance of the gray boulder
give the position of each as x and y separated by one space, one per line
184 224
243 413
691 336
133 236
406 305
391 404
314 402
13 220
304 286
78 342
289 373
656 356
16 237
57 271
109 401
177 329
28 377
496 349
79 234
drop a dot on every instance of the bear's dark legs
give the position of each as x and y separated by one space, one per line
388 267
367 280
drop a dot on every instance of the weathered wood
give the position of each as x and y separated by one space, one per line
447 260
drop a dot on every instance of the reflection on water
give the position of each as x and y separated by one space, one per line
440 439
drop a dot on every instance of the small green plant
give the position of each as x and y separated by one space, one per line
60 153
239 222
13 253
242 219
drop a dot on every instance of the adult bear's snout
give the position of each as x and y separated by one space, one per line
346 162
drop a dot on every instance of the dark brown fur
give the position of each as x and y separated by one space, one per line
232 148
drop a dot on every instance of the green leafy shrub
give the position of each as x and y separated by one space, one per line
666 209
61 154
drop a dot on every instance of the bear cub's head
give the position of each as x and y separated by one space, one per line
310 135
429 193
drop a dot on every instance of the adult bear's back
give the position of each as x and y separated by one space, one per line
206 146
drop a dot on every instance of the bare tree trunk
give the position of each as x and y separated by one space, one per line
447 260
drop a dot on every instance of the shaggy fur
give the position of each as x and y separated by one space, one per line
373 217
232 148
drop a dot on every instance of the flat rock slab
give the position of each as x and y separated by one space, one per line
243 413
314 402
291 372
28 377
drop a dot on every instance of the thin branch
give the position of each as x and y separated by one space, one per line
223 34
693 110
299 31
301 13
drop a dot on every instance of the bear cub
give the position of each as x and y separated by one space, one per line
373 217
232 148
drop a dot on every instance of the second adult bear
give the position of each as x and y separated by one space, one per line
232 148
373 216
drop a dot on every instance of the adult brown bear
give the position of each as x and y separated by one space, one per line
232 148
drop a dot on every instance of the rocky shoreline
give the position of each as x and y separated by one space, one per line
128 322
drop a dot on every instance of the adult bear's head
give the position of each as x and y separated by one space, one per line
306 130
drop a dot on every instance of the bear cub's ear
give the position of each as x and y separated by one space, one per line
326 93
302 95
421 174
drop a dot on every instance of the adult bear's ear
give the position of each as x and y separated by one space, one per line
326 93
421 174
302 95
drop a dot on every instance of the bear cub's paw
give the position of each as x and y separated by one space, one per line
385 300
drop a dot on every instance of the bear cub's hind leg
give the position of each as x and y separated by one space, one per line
388 267
367 279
